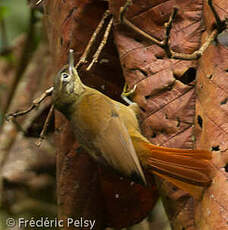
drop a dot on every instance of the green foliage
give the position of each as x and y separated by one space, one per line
4 10
15 15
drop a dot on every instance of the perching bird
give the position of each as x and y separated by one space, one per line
110 132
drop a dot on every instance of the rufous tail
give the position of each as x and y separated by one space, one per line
189 170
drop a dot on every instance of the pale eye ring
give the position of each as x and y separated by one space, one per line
65 76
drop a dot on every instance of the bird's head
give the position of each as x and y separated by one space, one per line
67 86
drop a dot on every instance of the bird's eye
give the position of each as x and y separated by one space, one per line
65 77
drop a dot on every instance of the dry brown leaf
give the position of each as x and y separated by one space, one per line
211 121
165 92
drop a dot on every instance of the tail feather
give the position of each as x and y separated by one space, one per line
187 169
196 154
194 190
180 172
179 159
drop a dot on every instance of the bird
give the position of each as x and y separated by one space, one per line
110 132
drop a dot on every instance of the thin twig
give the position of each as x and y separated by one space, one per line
46 123
141 32
220 26
92 40
34 105
71 61
102 44
38 2
125 21
168 27
219 23
125 94
198 53
123 10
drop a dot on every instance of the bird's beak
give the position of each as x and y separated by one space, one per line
71 61
72 70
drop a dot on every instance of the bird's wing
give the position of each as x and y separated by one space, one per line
101 122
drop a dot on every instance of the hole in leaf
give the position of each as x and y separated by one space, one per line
210 76
178 122
224 101
170 87
200 85
226 167
61 41
215 148
147 97
142 109
143 72
138 39
200 121
154 135
159 56
188 76
163 131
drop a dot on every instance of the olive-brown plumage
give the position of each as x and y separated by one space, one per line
96 124
110 132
